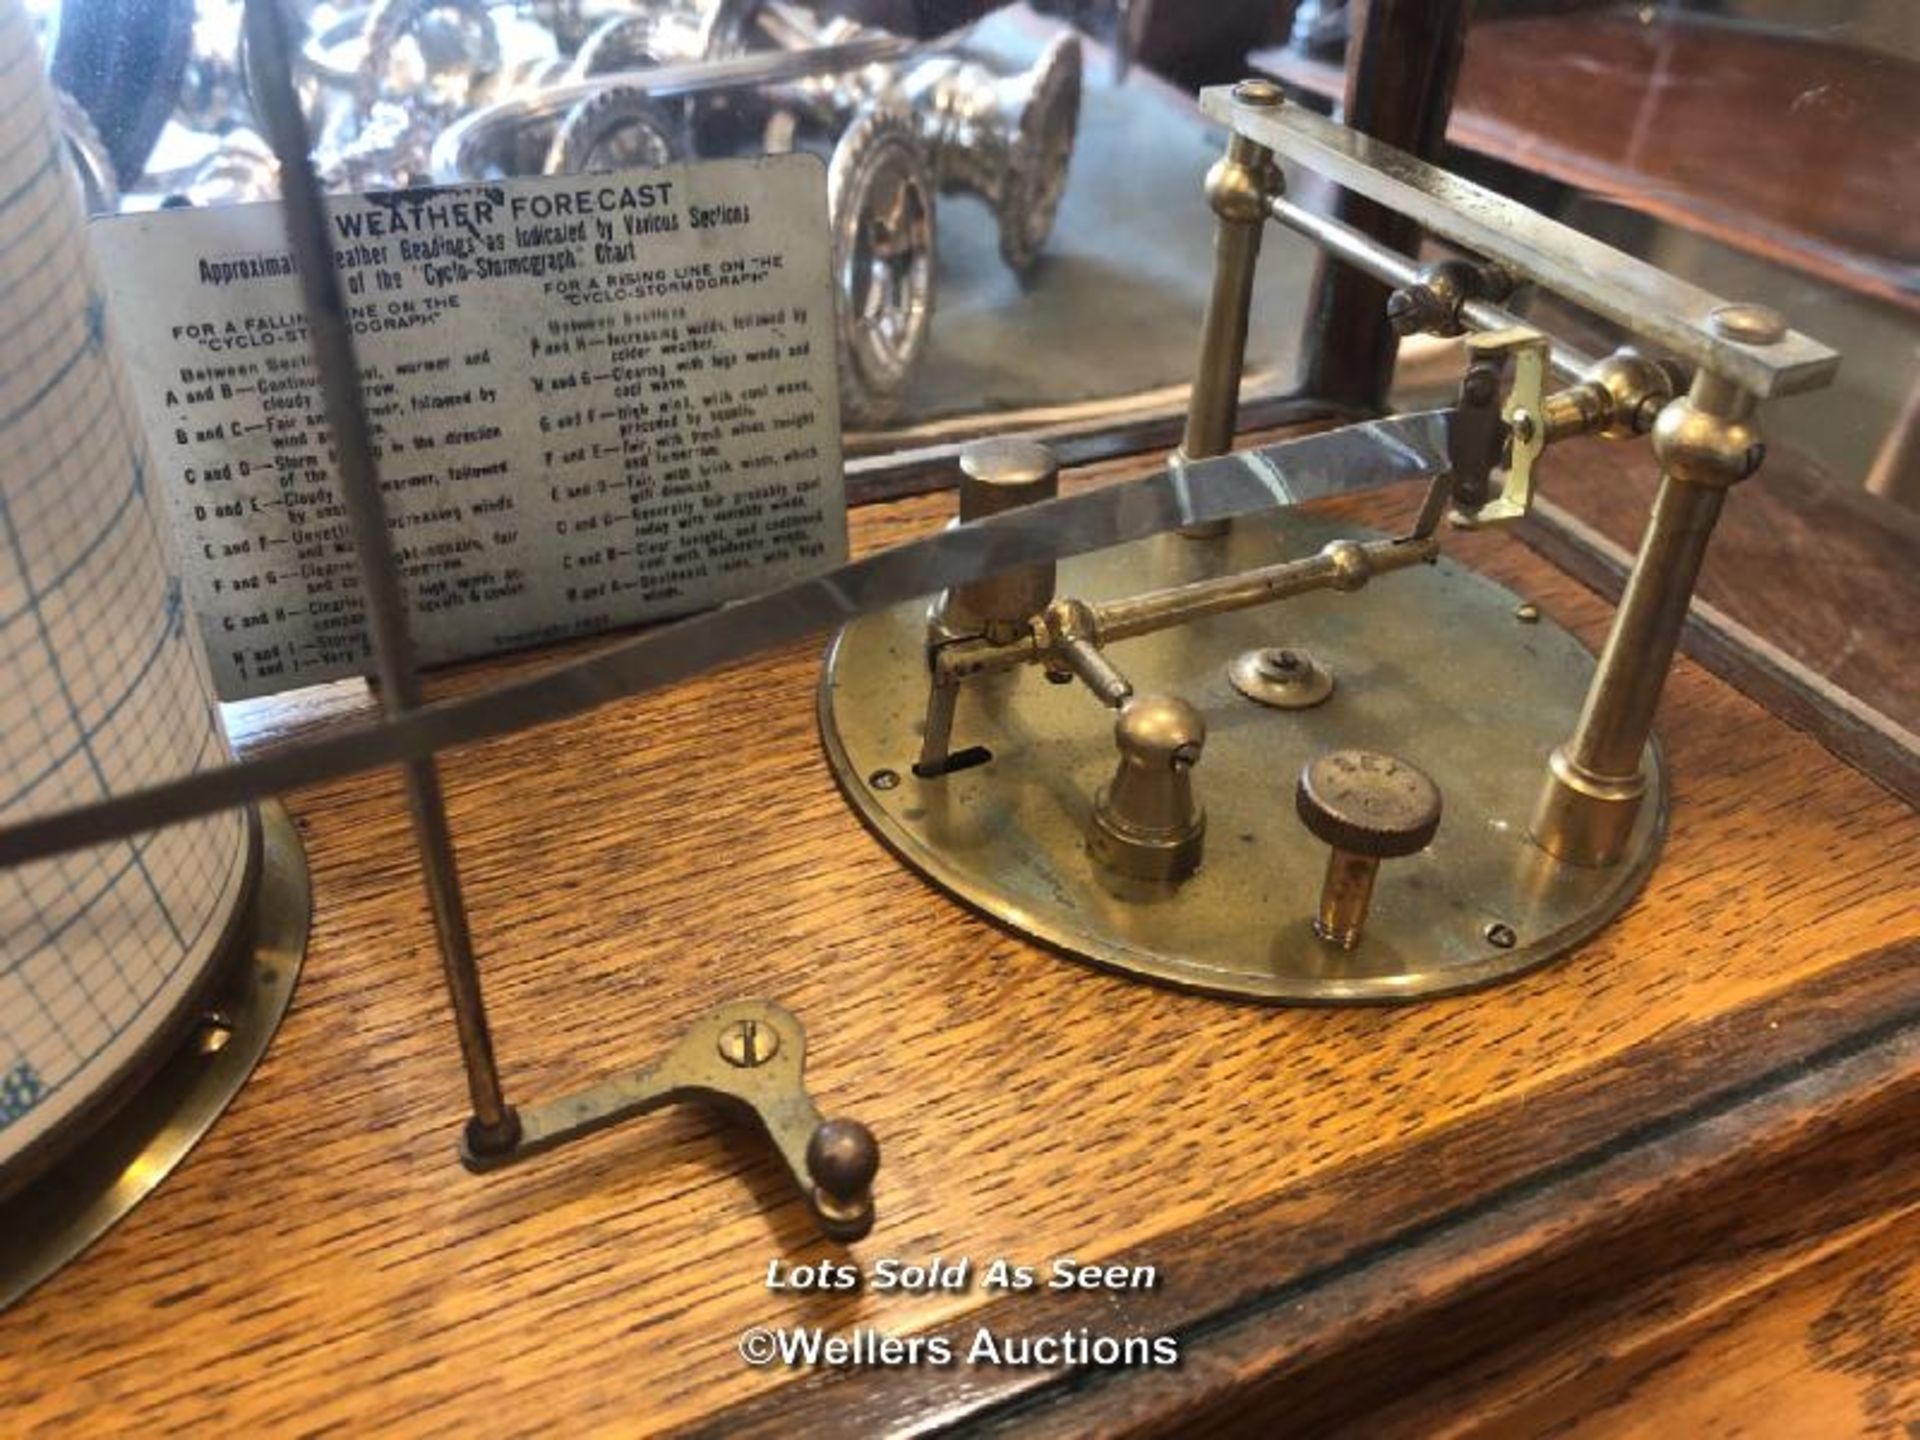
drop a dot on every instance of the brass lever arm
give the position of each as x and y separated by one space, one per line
1342 565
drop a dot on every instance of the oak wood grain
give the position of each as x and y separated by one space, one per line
323 1261
1833 1339
1482 1247
1815 1330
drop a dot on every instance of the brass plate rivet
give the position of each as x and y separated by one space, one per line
1748 324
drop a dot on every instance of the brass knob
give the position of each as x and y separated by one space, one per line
1368 808
1146 823
842 1159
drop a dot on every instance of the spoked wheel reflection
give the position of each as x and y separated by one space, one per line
880 197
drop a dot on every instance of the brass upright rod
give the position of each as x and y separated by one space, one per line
493 1126
1214 406
1618 715
1237 190
1705 442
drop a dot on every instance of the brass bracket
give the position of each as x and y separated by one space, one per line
1521 414
748 1057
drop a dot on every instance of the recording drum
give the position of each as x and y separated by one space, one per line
139 981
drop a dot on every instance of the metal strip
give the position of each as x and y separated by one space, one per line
1645 301
1357 458
932 462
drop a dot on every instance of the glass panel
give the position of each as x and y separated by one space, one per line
1026 241
1025 236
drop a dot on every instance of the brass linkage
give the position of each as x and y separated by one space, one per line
1070 636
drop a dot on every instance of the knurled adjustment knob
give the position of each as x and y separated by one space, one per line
1368 808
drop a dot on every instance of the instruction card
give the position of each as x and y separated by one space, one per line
596 399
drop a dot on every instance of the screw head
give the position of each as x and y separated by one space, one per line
1481 386
215 1030
1748 324
884 779
1286 679
1263 93
748 1043
1500 935
1527 613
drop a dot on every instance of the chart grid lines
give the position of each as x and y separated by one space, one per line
104 687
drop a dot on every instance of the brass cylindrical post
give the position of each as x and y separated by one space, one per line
1146 824
996 476
1705 442
1345 896
1237 188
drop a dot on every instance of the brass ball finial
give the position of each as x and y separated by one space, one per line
843 1157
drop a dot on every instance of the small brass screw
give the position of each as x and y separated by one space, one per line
216 1029
1527 613
884 779
748 1043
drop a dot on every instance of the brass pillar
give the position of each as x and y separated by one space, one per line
1706 442
1237 189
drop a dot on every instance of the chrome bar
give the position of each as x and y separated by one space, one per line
1388 265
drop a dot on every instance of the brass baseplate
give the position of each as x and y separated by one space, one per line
1434 664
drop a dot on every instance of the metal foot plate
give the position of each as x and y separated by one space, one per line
747 1056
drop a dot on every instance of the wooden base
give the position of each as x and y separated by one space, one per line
1342 1206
